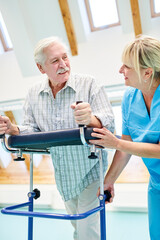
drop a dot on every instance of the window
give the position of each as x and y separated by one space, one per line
102 14
4 36
155 8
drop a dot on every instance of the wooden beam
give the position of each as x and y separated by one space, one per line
69 26
136 17
10 115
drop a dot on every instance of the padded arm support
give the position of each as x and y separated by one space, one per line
45 140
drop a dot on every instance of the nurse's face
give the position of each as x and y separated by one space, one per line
130 76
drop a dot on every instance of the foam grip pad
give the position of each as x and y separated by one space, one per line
45 140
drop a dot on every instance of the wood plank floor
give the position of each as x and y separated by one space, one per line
18 172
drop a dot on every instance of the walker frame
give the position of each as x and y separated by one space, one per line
34 194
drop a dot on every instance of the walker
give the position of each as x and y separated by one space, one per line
40 143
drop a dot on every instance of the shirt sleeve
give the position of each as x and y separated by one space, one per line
101 107
29 123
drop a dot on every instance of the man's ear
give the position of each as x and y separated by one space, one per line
148 73
40 68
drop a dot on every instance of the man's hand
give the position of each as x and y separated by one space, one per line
82 113
6 127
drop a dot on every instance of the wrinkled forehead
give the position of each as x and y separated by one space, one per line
53 51
55 48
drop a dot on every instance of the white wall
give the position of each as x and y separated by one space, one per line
99 52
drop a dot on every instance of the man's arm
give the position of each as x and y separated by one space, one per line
97 112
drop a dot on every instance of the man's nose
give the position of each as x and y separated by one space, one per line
62 63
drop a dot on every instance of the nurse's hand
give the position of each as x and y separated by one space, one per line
106 138
110 188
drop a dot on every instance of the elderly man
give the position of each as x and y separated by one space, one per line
51 105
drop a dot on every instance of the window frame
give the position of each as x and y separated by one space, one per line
92 27
153 14
3 36
3 41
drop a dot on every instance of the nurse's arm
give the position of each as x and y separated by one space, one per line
125 144
146 150
119 162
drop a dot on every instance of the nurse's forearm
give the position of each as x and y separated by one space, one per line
146 150
119 162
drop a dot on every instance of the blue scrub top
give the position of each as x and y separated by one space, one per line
142 126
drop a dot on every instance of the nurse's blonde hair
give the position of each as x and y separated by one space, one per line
142 53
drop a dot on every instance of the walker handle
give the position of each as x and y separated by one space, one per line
107 195
80 125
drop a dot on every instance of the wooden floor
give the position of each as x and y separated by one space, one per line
18 172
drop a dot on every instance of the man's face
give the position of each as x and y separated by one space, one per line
57 64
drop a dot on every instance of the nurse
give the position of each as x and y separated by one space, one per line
140 123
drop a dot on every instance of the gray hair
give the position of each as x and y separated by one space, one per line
39 55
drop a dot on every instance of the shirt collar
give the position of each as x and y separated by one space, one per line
70 83
46 88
